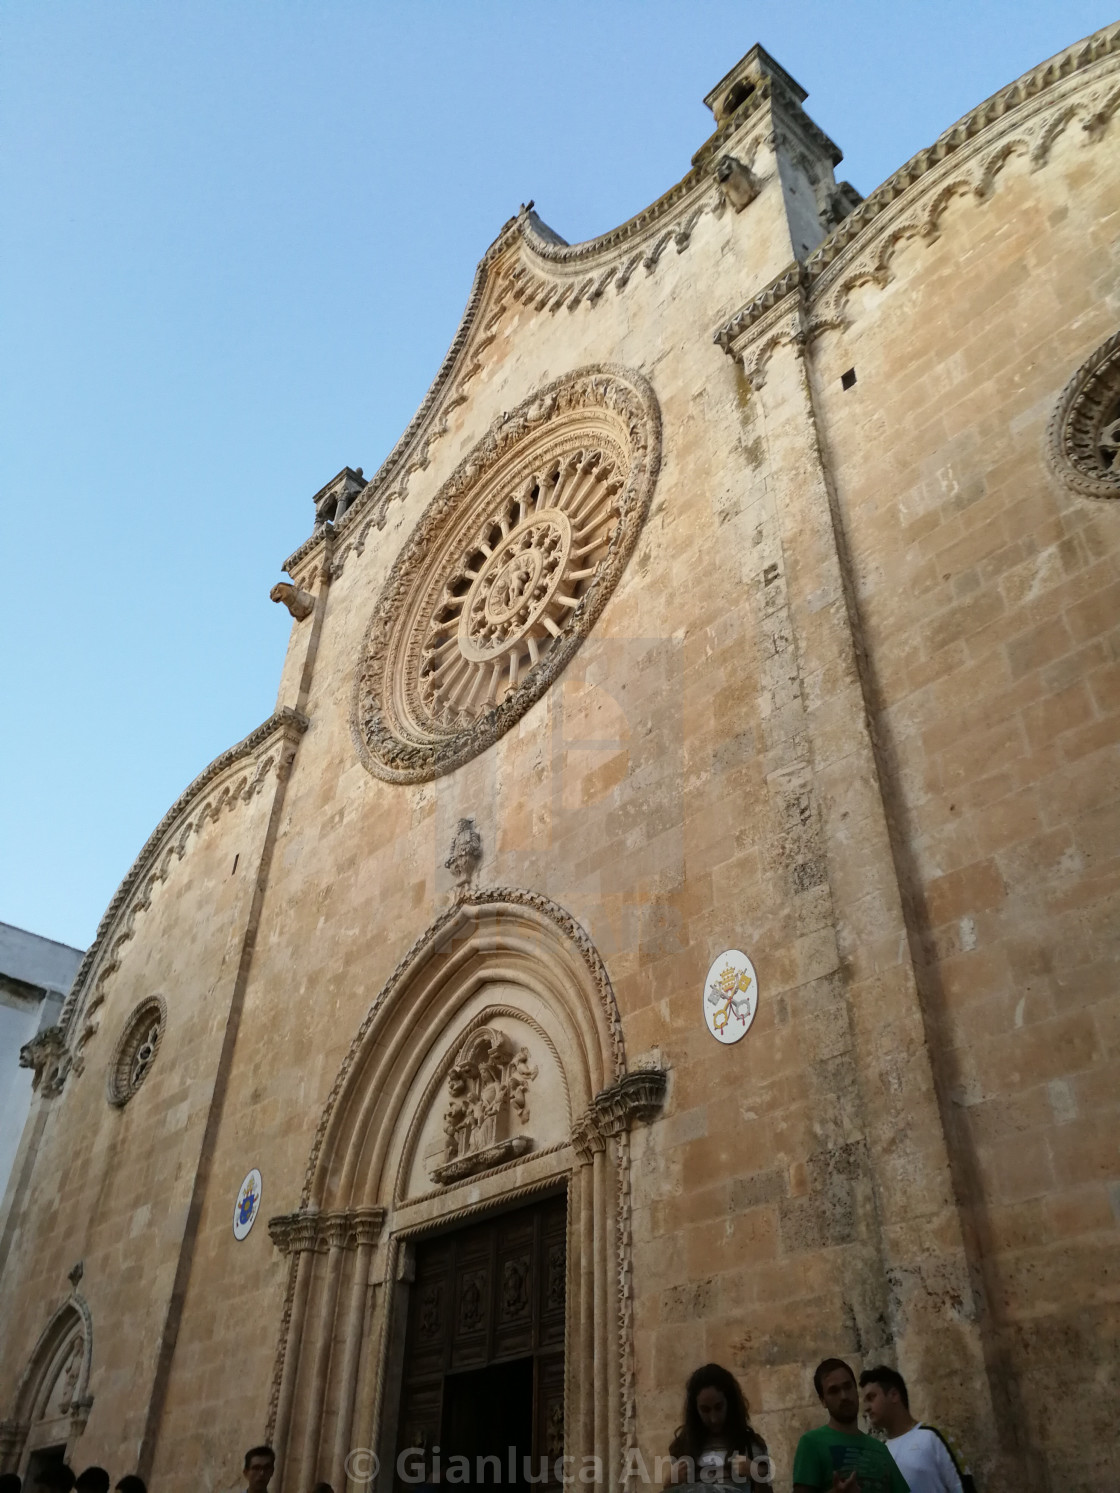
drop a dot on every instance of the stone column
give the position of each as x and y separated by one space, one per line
295 1234
366 1224
336 1231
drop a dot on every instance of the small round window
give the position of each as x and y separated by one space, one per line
136 1050
1084 433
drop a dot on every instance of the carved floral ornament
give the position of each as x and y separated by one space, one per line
1083 439
506 573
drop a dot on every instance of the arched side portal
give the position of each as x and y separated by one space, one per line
52 1401
489 1070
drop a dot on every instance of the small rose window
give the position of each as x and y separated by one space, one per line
1084 434
136 1050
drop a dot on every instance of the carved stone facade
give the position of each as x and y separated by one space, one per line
743 582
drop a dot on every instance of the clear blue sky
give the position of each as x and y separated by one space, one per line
238 240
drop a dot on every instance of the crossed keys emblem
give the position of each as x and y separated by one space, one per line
727 994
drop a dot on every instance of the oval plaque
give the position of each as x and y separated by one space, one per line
248 1204
730 996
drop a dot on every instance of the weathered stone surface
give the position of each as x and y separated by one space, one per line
851 706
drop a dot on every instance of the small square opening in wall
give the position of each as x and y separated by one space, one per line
848 379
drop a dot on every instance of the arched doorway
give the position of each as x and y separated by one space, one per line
488 1075
53 1399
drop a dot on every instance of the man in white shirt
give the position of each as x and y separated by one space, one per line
927 1458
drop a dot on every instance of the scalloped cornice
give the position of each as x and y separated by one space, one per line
1025 90
528 263
234 777
1025 118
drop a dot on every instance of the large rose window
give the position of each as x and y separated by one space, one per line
506 573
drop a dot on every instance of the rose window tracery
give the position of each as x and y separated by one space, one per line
136 1049
1084 434
506 573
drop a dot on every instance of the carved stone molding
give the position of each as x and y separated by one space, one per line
299 603
637 1097
293 1233
465 855
1083 437
1033 87
232 779
136 1049
47 1056
1079 86
439 936
529 264
488 1100
506 573
63 1354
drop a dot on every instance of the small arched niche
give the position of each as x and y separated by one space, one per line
488 1075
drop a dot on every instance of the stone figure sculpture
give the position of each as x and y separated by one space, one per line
487 1091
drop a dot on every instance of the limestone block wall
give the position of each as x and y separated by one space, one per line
111 1187
604 797
848 707
986 593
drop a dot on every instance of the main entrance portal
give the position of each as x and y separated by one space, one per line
484 1352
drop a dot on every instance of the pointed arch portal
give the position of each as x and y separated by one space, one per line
489 1073
52 1400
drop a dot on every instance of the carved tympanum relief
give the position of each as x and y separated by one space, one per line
1084 433
490 1092
506 573
487 1105
136 1049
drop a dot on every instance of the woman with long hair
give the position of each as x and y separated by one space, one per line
717 1443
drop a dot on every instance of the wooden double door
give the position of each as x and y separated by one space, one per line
484 1351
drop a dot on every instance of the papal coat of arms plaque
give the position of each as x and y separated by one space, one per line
730 996
248 1204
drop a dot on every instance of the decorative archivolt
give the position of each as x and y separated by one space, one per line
477 932
506 573
501 1012
55 1381
232 779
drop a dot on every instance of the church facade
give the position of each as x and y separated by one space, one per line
671 915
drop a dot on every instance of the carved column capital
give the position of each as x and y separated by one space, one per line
367 1224
587 1137
636 1097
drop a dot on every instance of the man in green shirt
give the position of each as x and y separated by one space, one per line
838 1457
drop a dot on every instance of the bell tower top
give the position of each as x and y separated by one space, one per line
735 87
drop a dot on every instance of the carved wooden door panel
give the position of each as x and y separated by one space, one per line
486 1322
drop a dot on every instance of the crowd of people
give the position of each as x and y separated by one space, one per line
57 1477
716 1442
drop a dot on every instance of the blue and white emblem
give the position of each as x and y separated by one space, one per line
248 1204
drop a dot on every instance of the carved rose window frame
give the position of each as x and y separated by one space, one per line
1083 437
136 1049
506 573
